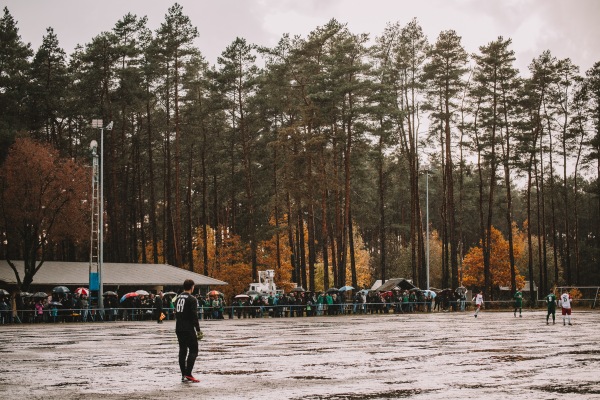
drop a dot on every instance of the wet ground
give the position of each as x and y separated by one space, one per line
419 356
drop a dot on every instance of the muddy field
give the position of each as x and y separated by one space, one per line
420 356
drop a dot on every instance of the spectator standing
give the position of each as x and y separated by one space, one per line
85 310
39 311
463 300
158 307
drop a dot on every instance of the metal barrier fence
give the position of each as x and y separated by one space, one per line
57 315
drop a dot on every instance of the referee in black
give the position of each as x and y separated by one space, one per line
186 328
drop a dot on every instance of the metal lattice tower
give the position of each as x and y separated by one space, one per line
95 234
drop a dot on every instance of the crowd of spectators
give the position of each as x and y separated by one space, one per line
309 304
73 307
69 307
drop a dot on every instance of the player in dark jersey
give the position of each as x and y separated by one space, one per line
186 328
551 303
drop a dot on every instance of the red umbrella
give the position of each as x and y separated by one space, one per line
214 293
128 295
82 291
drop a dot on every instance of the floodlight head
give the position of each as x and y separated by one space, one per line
109 126
96 123
93 145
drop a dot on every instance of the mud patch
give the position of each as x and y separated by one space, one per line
109 365
586 352
579 388
504 350
392 394
311 378
511 358
256 371
67 384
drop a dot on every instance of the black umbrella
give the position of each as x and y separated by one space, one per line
332 290
55 303
26 294
4 292
109 293
298 289
40 295
61 289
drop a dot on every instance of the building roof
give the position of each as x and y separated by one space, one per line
113 274
391 284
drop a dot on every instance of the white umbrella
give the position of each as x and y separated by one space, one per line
82 291
142 292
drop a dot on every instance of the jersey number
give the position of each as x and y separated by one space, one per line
180 304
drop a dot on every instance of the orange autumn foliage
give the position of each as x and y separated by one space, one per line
499 262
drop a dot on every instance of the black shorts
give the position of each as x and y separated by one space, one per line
188 340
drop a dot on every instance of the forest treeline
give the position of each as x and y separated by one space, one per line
308 155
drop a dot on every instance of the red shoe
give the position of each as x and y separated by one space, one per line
190 378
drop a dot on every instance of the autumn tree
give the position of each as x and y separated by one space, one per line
42 201
499 262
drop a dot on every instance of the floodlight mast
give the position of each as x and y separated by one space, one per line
426 169
99 206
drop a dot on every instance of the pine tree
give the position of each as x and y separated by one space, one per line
444 73
14 64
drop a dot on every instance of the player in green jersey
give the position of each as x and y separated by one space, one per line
551 303
518 303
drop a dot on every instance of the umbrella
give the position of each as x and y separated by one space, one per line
26 294
430 292
298 289
461 290
128 295
215 293
55 303
109 293
142 292
346 288
170 294
4 292
242 296
61 289
40 295
332 290
252 293
82 291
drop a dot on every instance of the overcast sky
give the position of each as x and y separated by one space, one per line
568 28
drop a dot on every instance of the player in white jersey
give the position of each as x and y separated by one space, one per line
565 303
478 302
